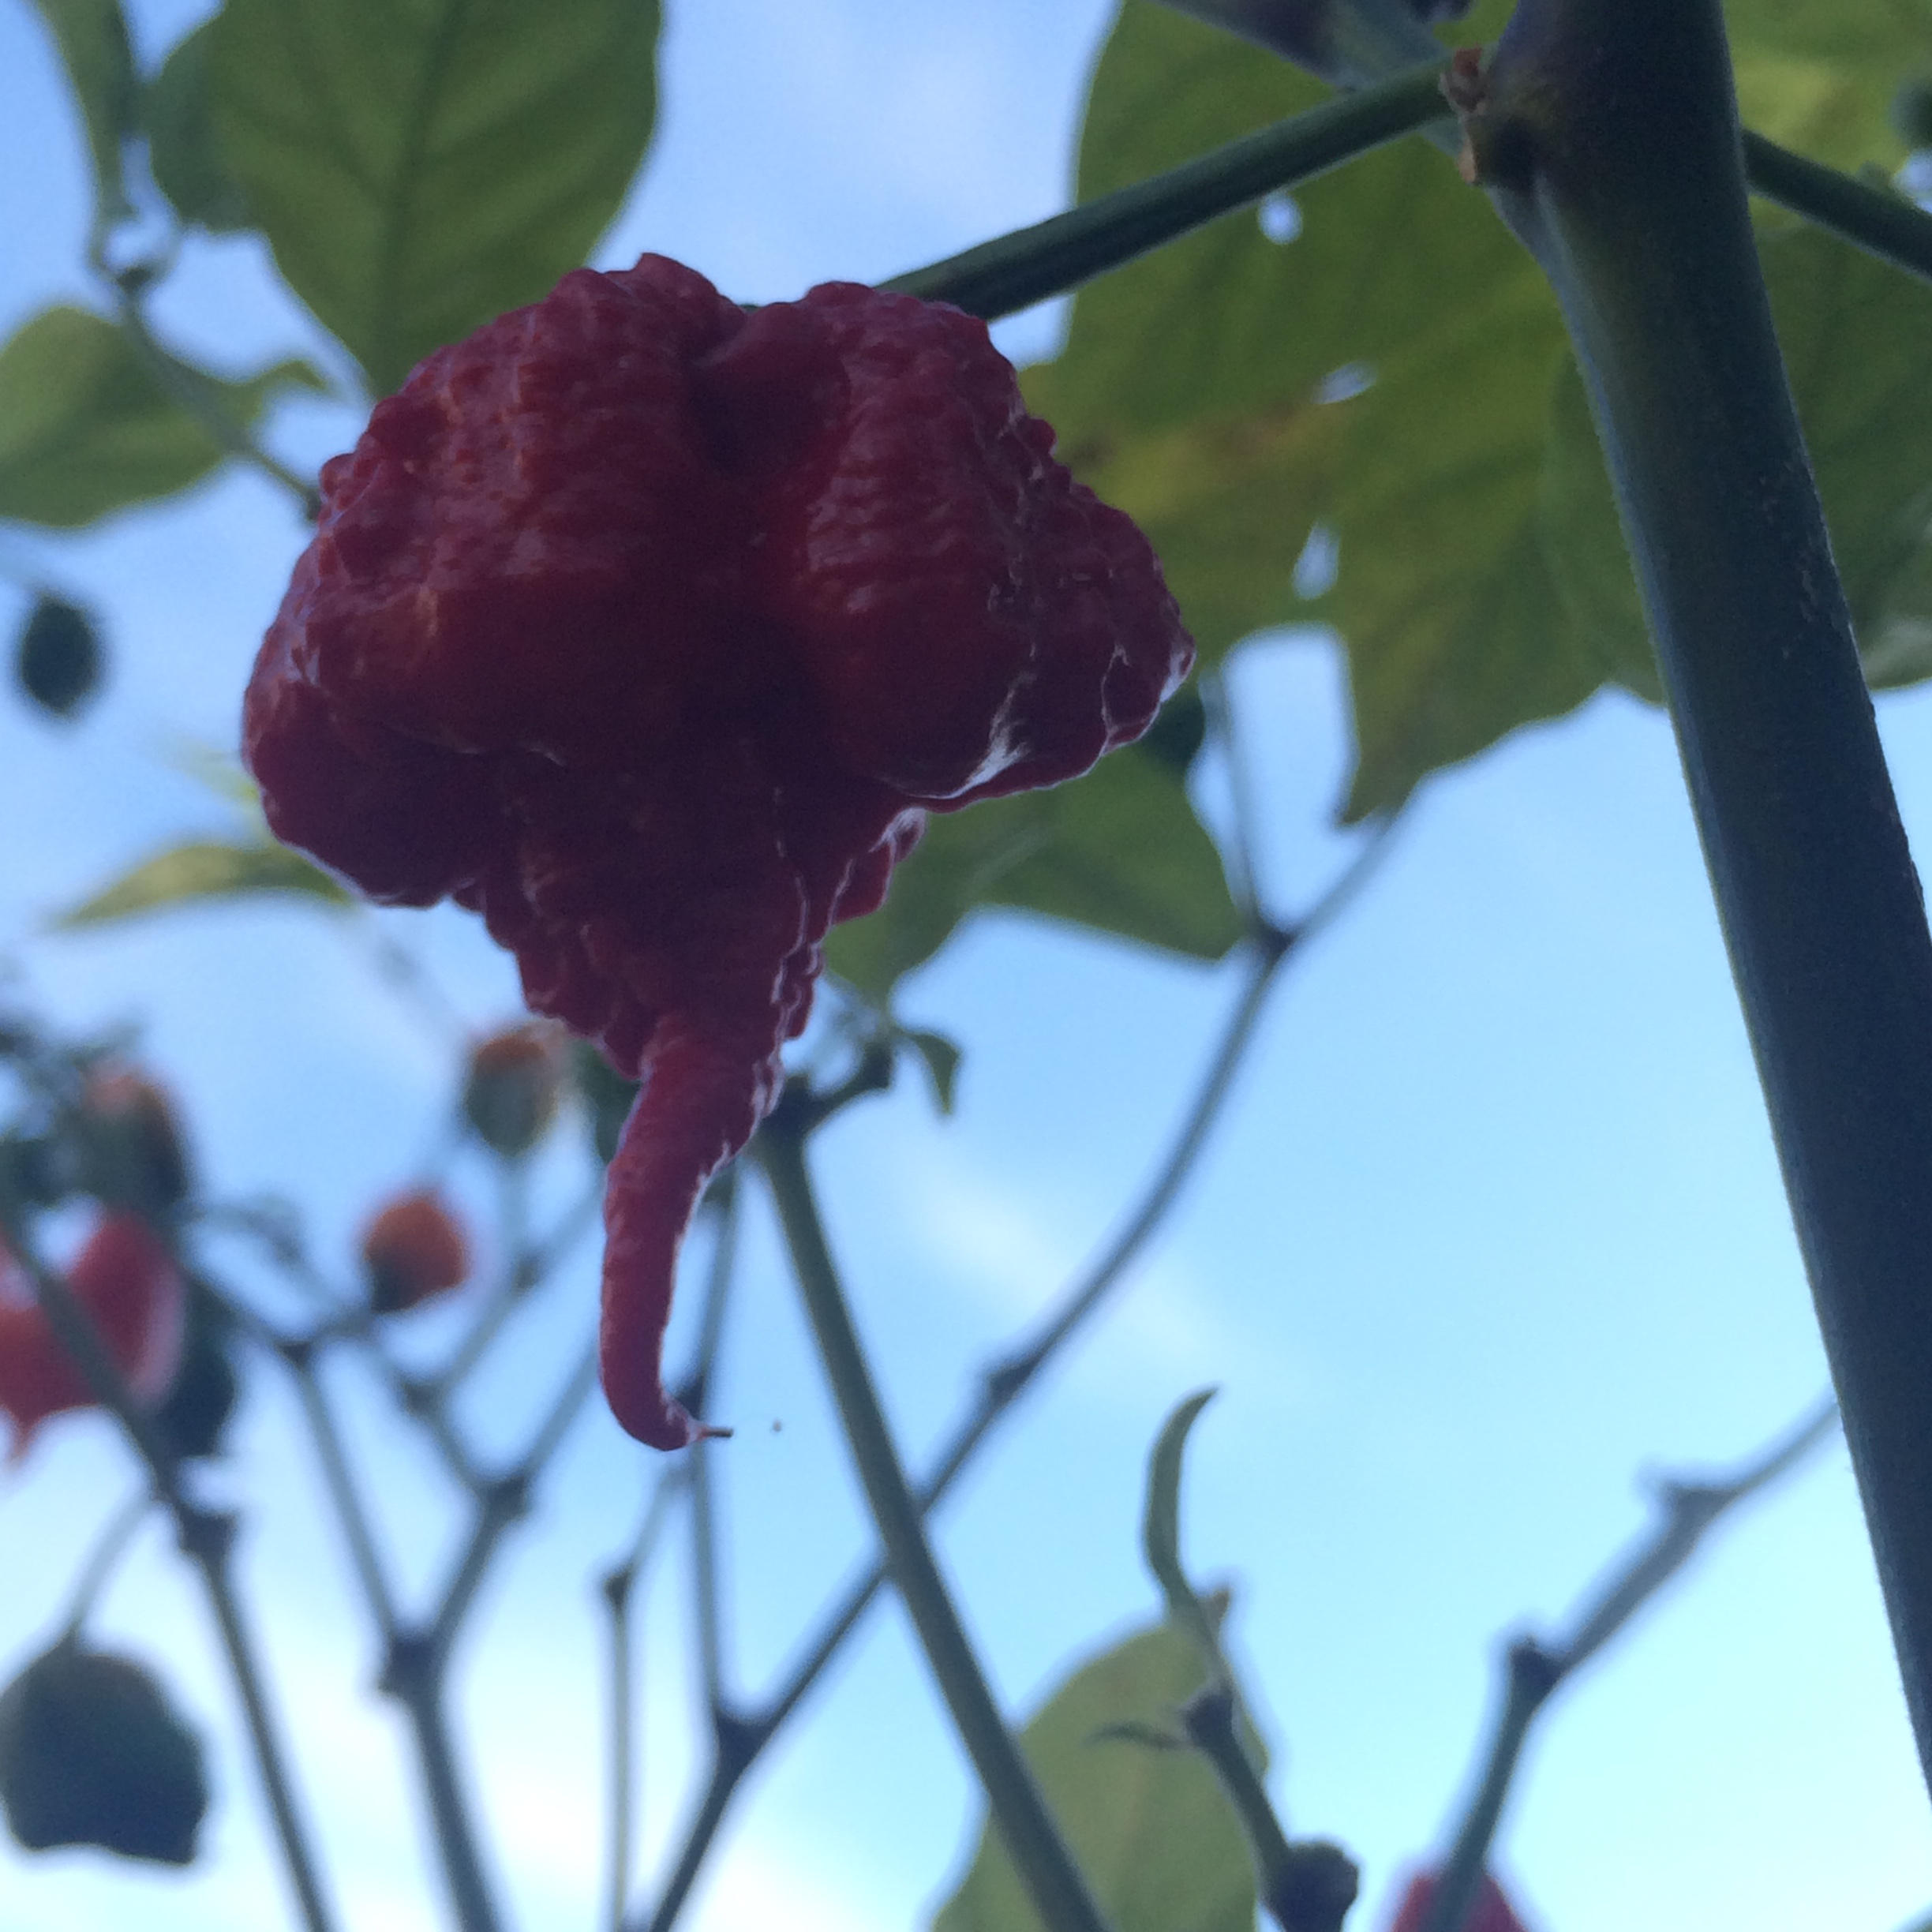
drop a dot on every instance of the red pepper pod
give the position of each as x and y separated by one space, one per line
701 1100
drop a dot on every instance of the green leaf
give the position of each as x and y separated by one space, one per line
92 1753
1119 851
940 1057
1854 332
200 871
1195 392
1160 1533
184 144
87 427
1456 629
420 166
92 37
1149 1827
1819 75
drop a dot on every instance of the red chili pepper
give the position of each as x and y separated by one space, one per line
413 1249
129 1288
650 629
1490 1912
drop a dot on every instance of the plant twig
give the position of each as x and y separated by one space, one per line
1006 1379
506 1501
615 1590
1874 220
694 1399
1045 1867
344 1496
108 1550
1533 1669
1001 277
196 393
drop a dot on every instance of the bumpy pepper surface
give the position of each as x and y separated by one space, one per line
649 629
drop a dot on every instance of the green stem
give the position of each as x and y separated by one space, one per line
1610 141
414 1676
1535 1670
1882 223
1004 1380
1032 1839
1001 277
101 1564
196 394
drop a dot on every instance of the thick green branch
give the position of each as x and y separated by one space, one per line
1608 137
1001 277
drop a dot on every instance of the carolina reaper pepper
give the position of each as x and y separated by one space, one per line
650 628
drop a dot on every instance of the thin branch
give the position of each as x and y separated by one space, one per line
340 1482
1003 1382
1875 219
413 1676
1534 1669
1000 278
196 393
207 1538
506 1501
1242 851
704 1517
1045 1867
101 1563
615 1590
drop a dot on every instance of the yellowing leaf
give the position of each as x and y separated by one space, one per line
202 871
1149 1827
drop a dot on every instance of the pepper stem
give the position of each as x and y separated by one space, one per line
1607 132
1032 1839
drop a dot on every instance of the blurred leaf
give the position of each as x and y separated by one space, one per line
1179 730
1819 75
220 772
1230 391
608 1096
1199 388
202 870
86 427
1854 333
57 664
92 1754
1149 1828
92 37
420 166
1160 1533
940 1057
184 144
1119 849
1456 632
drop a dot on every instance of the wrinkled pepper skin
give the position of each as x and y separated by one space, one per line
649 629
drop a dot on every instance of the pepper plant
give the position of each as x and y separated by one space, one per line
1514 394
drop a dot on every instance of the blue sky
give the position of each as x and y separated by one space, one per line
1493 1223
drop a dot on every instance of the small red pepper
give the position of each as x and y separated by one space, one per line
129 1288
413 1249
1489 1912
650 629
